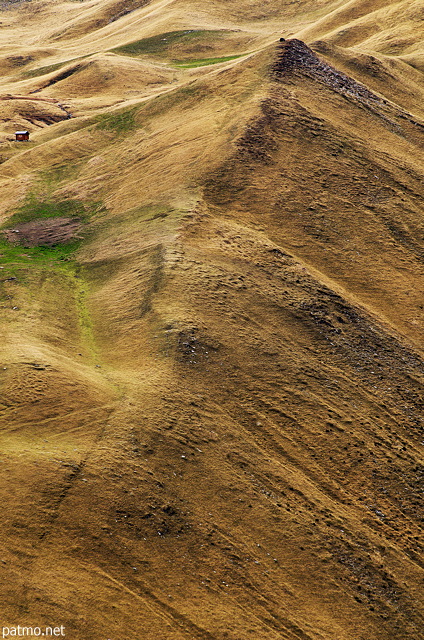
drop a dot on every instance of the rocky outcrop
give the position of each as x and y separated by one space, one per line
295 56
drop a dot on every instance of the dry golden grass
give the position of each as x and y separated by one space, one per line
211 404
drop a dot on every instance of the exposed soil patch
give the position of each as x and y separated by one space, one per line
48 232
19 61
11 4
125 7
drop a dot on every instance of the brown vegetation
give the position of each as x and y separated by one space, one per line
211 412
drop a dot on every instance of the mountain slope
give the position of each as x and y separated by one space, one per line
212 396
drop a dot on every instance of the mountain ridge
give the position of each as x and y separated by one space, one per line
211 400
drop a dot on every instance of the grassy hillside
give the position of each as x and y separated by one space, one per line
211 366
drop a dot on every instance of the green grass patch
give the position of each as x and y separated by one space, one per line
42 71
52 176
120 122
15 257
203 62
145 213
183 96
159 44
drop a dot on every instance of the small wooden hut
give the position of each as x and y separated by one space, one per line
22 135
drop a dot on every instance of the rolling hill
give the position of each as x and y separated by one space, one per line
211 277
